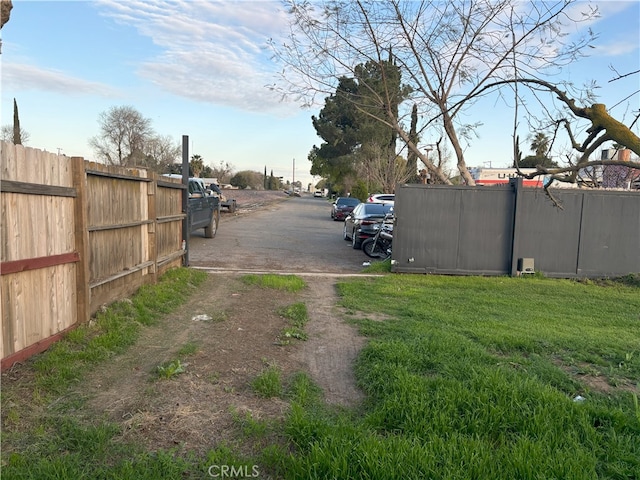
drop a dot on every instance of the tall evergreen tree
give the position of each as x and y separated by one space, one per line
337 125
355 140
382 92
17 137
273 183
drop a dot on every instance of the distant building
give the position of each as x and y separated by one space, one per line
619 176
600 176
497 176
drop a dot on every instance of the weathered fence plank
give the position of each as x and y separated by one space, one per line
76 235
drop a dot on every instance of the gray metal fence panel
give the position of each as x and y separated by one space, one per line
485 230
548 234
452 229
429 225
610 239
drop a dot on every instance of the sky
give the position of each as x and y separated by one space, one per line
200 68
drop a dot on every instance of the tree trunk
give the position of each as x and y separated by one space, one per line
450 129
412 158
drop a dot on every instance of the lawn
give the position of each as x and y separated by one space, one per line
470 377
465 377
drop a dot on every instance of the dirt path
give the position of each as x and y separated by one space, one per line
200 408
332 346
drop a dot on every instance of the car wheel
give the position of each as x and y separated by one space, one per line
344 232
355 243
211 229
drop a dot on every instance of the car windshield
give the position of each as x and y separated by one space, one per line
377 209
347 202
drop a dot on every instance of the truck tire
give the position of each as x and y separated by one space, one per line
232 206
211 229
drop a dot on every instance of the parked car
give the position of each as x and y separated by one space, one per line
203 209
382 198
317 193
364 221
342 207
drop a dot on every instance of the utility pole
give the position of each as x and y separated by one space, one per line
293 183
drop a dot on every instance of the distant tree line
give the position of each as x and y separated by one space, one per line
126 138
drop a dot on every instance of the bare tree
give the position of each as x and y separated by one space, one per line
374 166
602 128
6 134
223 172
123 135
160 152
448 52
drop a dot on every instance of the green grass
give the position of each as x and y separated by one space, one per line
290 283
45 442
112 331
475 378
250 426
465 377
378 266
297 316
188 349
269 383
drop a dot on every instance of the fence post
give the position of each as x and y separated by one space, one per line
81 237
152 189
185 198
516 184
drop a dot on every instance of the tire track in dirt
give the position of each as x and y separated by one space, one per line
332 346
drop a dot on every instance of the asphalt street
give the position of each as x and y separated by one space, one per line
295 235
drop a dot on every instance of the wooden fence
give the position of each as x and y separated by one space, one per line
76 235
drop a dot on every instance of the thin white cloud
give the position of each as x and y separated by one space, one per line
213 52
616 48
612 40
29 77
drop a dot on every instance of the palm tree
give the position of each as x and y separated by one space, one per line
196 164
540 144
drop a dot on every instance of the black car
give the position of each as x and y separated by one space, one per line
342 207
364 221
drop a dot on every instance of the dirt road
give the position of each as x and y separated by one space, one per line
237 331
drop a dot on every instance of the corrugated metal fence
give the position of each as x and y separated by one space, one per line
76 235
487 230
